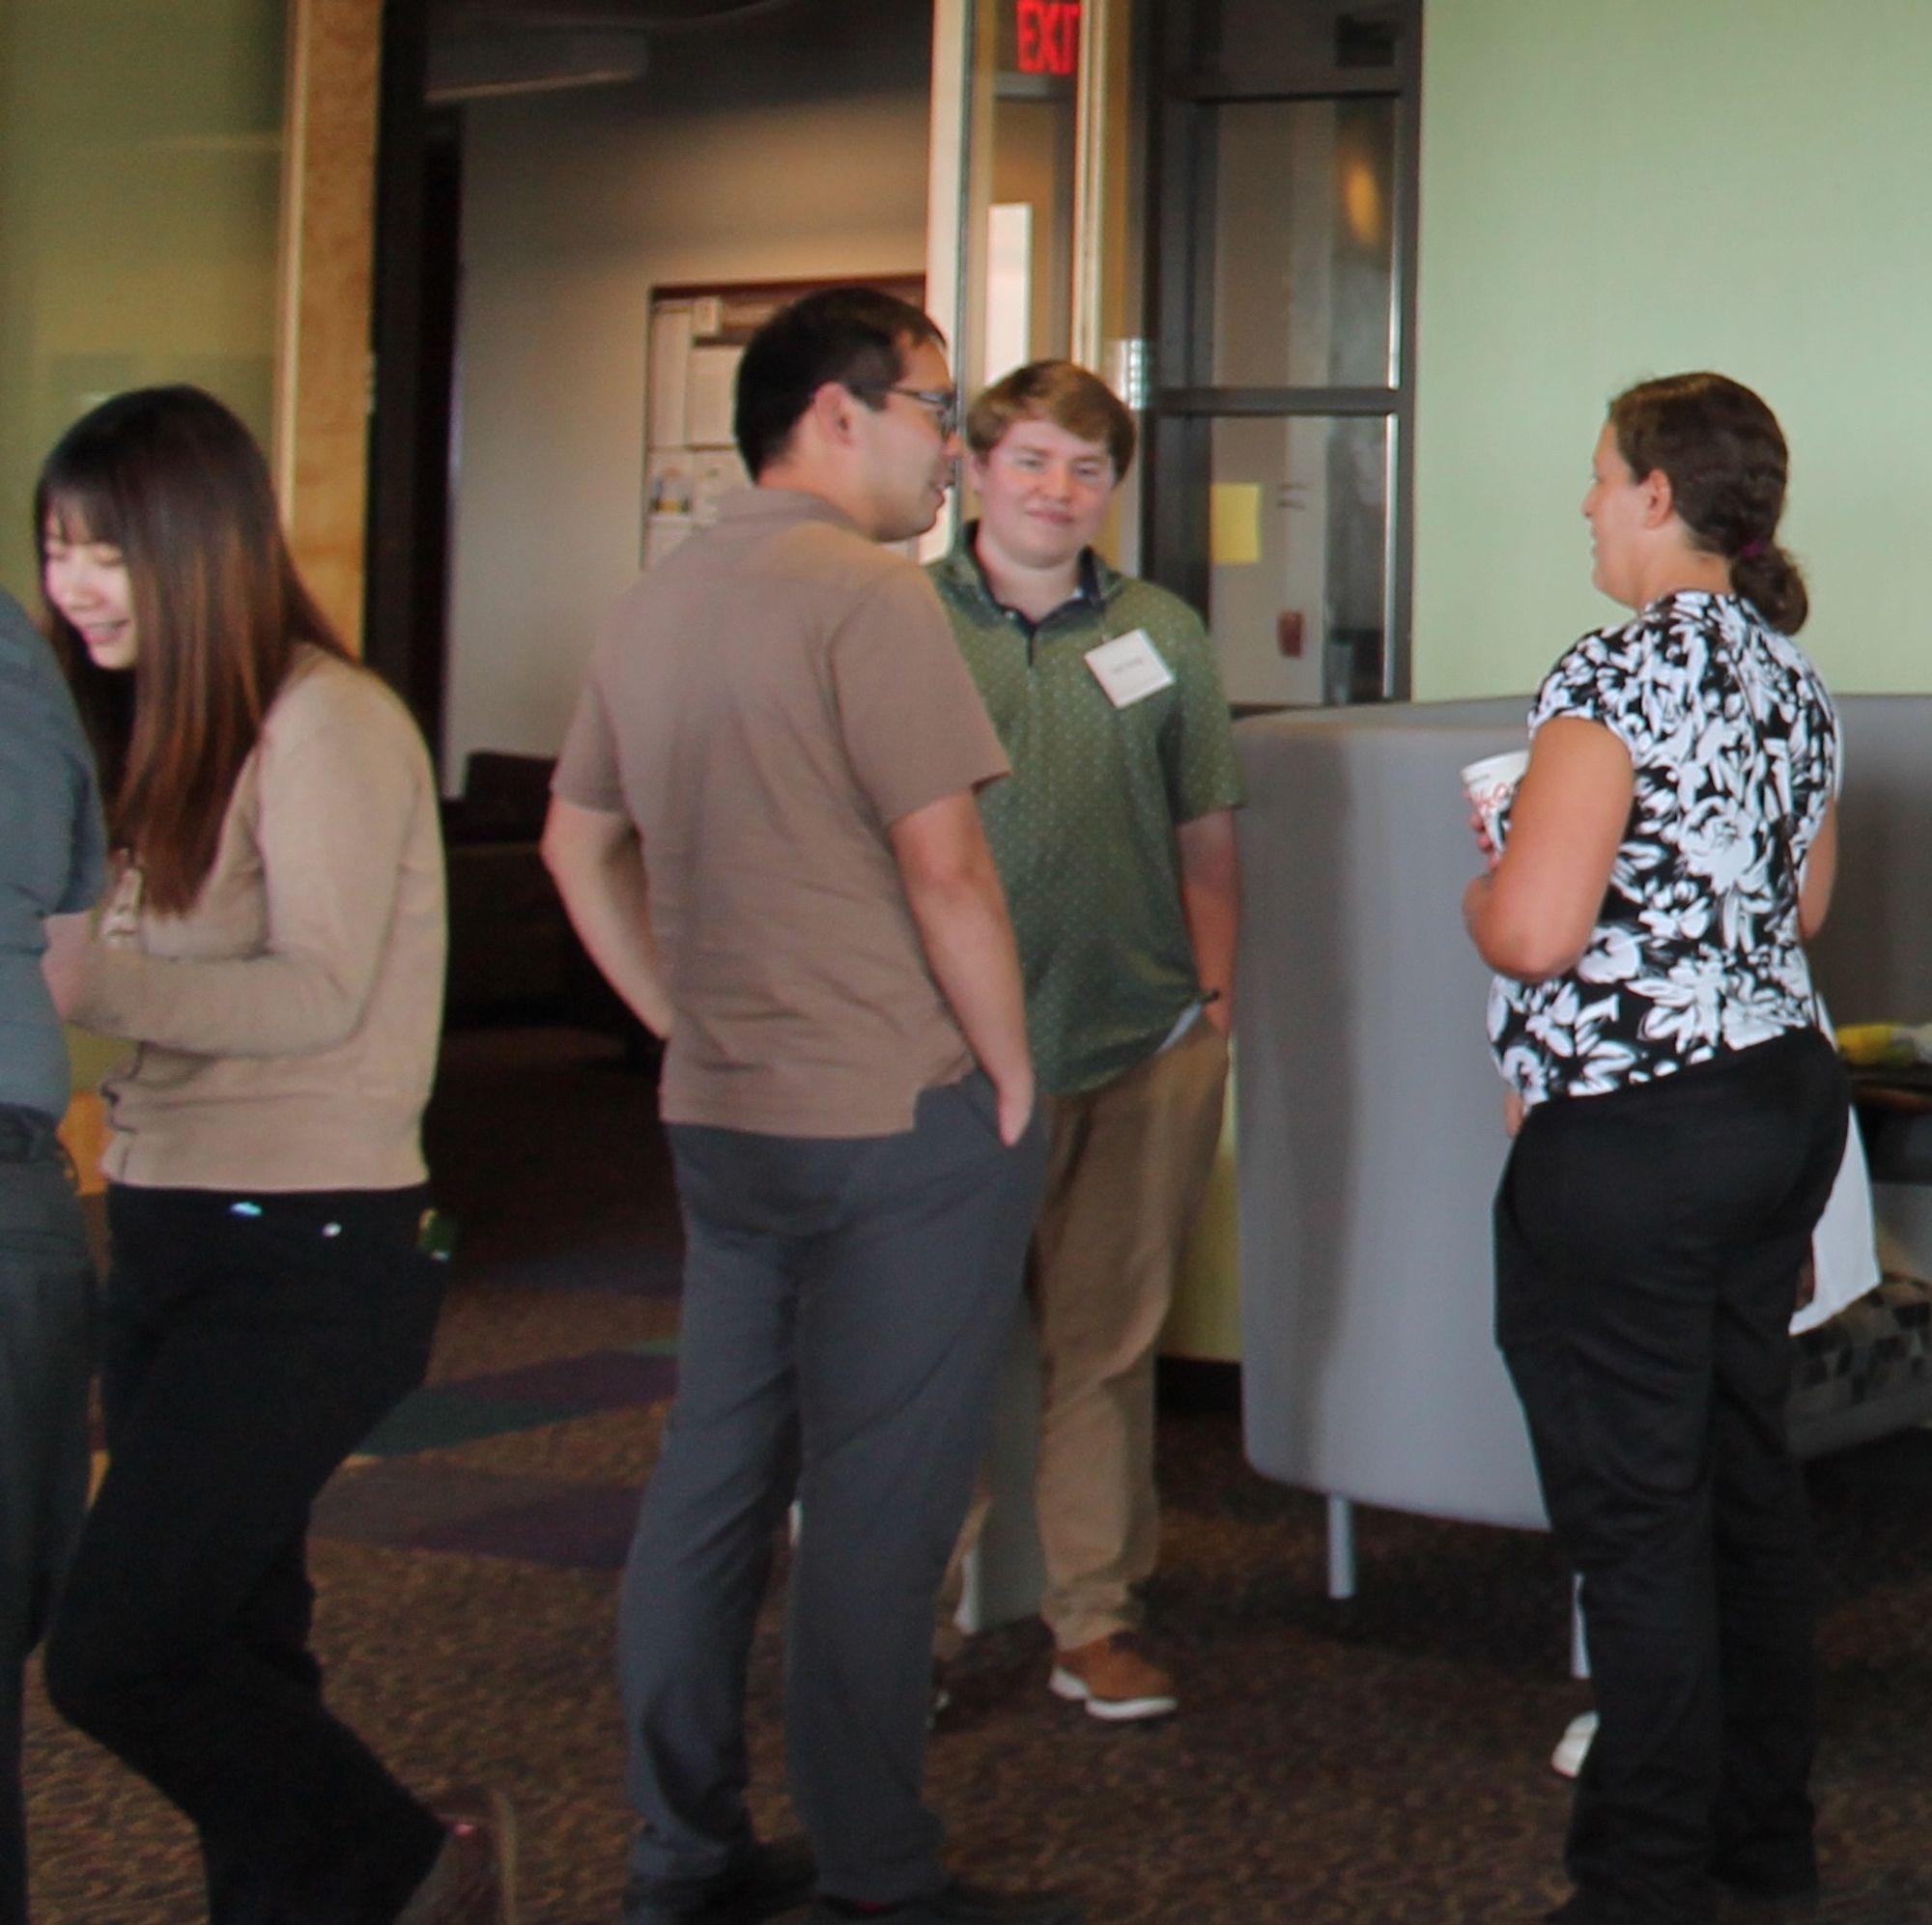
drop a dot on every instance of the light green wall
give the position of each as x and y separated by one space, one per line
1616 188
140 177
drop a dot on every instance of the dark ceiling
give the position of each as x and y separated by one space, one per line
483 48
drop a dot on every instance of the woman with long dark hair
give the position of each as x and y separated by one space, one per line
1681 1119
272 946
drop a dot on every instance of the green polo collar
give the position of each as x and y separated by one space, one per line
1099 583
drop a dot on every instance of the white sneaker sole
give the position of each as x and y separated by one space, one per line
1115 1711
1574 1746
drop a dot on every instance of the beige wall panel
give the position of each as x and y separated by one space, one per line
323 385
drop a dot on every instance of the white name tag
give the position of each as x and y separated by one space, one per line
1130 669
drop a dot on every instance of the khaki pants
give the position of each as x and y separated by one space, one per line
1128 1166
1126 1170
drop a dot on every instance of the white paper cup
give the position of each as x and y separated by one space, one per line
1490 784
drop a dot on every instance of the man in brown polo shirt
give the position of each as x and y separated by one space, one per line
765 829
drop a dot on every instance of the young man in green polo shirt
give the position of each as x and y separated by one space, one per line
1114 839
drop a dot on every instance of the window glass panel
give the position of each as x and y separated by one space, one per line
1282 41
1031 227
1304 285
1026 62
1300 582
140 184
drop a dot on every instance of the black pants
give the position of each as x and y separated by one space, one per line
251 1344
1648 1245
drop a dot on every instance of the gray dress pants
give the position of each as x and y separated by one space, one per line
847 1301
46 1356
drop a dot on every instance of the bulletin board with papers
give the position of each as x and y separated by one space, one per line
697 333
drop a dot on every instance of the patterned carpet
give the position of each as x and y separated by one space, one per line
1373 1763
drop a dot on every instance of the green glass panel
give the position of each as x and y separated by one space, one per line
140 188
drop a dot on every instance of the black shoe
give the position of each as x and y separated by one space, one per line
1736 1907
771 1879
1793 1889
957 1903
1583 1908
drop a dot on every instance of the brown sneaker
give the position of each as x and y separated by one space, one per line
474 1881
1112 1679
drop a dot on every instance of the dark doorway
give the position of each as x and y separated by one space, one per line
418 223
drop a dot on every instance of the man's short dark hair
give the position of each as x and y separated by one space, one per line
855 335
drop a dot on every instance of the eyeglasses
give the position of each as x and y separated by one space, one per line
941 403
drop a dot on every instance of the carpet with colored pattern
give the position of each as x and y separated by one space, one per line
1371 1763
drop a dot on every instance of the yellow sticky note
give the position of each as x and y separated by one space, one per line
1234 523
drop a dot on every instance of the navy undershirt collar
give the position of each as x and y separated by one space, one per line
1087 595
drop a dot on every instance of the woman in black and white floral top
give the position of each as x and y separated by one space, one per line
1682 1120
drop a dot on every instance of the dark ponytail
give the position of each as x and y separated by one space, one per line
1774 584
1723 454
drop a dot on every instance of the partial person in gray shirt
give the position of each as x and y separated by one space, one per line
52 863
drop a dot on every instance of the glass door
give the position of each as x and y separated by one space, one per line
1034 222
1281 271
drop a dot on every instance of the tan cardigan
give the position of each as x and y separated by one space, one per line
286 1026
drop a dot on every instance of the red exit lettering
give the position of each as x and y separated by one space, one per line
1049 36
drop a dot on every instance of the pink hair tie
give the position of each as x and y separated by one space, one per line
1753 551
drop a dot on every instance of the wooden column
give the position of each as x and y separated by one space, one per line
322 376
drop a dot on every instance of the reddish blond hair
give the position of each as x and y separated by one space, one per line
1057 391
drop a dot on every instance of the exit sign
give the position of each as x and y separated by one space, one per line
1048 37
